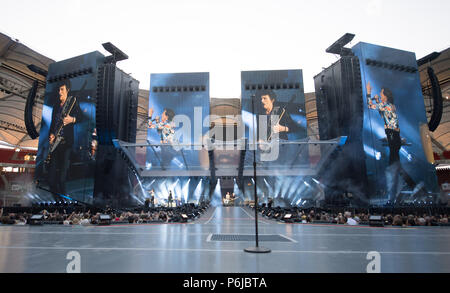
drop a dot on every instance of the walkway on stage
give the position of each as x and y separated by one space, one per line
216 242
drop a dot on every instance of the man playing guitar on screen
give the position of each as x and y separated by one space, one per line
61 137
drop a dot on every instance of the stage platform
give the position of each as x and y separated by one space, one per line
193 247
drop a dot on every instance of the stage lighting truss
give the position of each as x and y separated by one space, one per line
192 160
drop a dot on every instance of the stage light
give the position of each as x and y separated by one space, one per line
377 156
286 185
217 196
236 190
197 191
185 190
409 157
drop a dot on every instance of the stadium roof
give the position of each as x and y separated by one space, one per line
15 82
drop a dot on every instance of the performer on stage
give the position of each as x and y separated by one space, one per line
170 199
60 157
152 198
270 203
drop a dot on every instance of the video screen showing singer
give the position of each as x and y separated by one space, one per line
165 127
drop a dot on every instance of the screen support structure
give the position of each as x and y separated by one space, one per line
256 248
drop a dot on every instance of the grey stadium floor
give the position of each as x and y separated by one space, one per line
190 248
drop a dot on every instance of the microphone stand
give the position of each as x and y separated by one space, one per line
255 249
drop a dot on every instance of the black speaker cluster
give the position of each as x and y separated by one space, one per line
278 86
132 114
28 113
103 119
391 66
69 75
436 92
340 110
169 89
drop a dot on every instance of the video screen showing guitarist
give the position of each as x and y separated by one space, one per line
279 121
66 113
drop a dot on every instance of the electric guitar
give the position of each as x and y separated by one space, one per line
67 108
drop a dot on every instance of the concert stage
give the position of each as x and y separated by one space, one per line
207 171
192 248
260 146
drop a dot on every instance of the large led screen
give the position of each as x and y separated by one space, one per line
178 121
394 118
68 141
273 110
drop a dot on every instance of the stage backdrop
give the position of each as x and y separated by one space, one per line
74 177
395 70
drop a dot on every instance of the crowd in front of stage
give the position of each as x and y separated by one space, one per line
79 217
161 215
349 218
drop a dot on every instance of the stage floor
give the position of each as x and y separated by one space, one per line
190 248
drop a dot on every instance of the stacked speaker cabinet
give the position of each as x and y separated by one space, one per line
99 102
340 113
117 94
372 94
